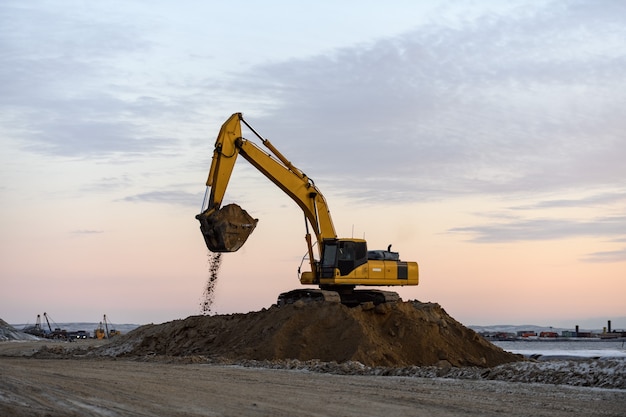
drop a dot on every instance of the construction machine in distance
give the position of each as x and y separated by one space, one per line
103 331
342 263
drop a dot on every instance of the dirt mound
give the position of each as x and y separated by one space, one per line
8 332
400 334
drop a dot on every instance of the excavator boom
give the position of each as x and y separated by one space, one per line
228 232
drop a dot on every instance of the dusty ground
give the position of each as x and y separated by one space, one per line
92 386
408 359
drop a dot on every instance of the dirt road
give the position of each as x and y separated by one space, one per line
105 387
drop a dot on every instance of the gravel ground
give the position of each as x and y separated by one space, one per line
68 379
80 387
600 373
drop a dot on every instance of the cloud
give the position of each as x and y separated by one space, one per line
66 88
87 232
590 201
508 226
168 197
64 136
500 104
606 256
544 229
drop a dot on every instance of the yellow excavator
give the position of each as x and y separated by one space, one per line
342 263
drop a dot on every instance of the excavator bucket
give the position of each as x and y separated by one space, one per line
226 229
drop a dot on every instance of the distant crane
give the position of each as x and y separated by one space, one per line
47 321
35 330
57 333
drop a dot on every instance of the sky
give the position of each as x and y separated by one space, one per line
483 139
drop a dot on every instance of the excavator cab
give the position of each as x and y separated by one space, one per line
343 255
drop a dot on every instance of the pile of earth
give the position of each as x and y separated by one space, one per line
8 332
397 334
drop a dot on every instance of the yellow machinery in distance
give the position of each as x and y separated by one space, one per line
103 331
342 263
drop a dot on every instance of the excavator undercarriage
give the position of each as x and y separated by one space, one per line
345 295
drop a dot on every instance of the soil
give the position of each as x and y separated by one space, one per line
84 386
397 334
406 359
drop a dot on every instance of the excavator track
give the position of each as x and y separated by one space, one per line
358 297
308 295
351 298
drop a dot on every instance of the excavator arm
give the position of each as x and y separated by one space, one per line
219 223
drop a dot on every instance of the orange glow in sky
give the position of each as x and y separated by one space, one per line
483 141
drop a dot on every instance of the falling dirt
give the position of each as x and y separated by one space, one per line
398 334
208 295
